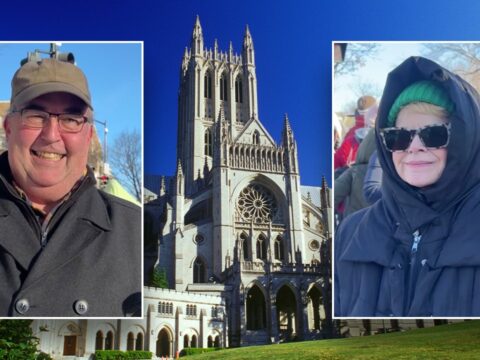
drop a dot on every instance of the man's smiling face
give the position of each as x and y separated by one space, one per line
48 159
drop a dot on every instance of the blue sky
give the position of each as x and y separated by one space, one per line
289 78
114 75
293 52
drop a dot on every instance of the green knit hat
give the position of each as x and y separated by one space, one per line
421 91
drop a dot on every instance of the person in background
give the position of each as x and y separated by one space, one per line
349 186
365 115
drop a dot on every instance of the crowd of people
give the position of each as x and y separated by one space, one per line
351 162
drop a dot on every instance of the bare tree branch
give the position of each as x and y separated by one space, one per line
356 56
125 161
461 58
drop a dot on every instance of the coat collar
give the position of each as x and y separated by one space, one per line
21 231
378 236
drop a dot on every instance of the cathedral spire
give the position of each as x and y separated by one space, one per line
247 38
290 146
324 194
197 38
287 134
162 186
179 169
215 49
185 59
179 179
248 52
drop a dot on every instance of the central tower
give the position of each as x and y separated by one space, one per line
234 223
210 80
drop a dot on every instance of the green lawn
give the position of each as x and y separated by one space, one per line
454 341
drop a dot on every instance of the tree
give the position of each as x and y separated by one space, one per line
356 56
461 58
125 160
159 278
362 88
17 340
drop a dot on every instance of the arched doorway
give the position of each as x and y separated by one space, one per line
256 313
164 340
194 341
109 341
99 341
315 309
70 332
217 341
186 341
286 312
69 345
139 342
130 341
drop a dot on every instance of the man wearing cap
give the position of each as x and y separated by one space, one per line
66 248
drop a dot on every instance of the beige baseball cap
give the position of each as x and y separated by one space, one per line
37 78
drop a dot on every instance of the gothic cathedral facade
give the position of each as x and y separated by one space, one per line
234 221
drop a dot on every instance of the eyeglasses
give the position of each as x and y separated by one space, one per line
67 123
435 136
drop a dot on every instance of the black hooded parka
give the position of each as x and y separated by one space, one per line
416 252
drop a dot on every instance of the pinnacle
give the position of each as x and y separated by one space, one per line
247 31
286 122
179 168
324 183
247 39
197 28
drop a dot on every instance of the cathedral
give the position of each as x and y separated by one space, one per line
234 222
241 247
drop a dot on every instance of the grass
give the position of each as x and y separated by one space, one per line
453 341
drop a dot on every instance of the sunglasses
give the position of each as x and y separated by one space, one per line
434 136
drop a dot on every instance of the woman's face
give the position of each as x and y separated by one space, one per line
418 165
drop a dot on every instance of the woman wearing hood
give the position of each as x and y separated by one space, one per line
416 251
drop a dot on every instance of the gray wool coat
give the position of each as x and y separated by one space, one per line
90 265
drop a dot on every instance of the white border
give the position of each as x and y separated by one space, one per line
142 67
333 183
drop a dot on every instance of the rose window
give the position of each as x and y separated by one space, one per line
255 203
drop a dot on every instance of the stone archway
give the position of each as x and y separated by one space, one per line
69 345
286 312
256 309
315 309
164 343
72 338
139 341
99 340
130 341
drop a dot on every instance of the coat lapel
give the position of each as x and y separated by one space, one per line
80 231
16 236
